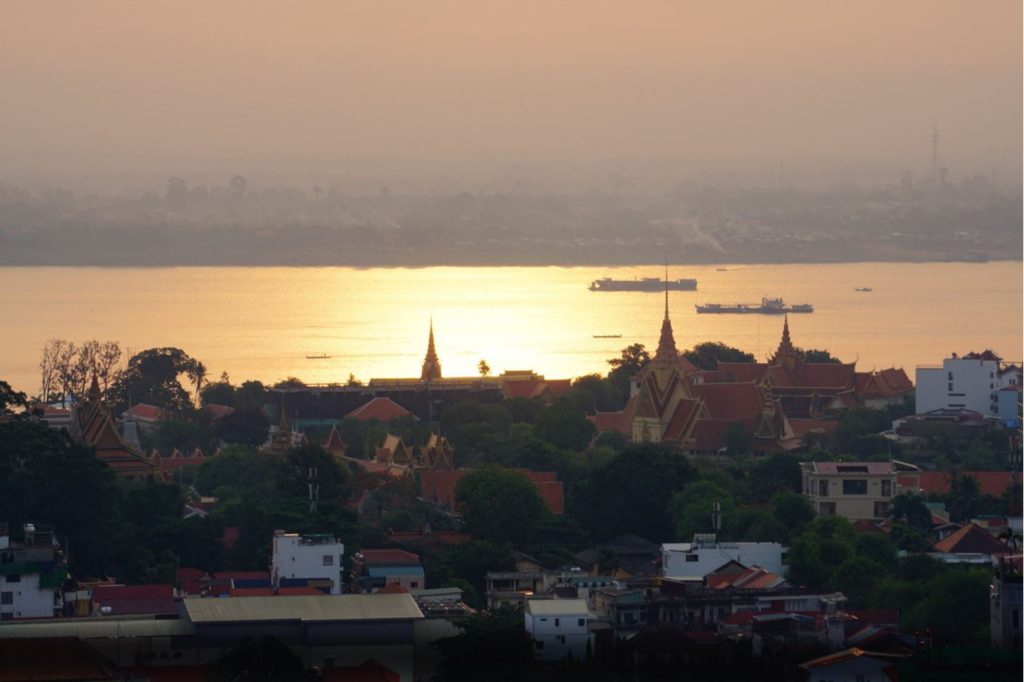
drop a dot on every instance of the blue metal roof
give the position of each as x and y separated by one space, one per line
388 571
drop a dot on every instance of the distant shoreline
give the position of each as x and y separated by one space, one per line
469 263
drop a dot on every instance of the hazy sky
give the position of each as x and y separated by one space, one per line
98 87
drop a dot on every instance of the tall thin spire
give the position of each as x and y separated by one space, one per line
666 353
431 365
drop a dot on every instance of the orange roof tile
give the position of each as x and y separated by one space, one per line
382 409
438 486
731 400
993 483
972 539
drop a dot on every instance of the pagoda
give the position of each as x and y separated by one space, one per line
94 426
431 365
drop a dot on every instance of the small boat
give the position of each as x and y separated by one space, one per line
863 289
607 336
654 284
721 270
318 357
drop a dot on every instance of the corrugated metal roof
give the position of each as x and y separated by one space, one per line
303 608
388 571
101 628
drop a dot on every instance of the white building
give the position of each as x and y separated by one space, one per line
313 559
558 627
852 665
971 382
30 575
694 560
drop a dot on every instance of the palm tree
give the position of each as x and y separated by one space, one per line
197 375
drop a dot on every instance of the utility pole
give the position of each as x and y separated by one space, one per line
314 493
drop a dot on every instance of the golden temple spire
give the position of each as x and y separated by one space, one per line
666 353
431 365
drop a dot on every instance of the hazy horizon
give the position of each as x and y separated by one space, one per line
108 95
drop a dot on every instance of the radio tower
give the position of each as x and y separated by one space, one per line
935 157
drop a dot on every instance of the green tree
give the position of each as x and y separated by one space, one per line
856 578
564 427
775 473
910 510
878 548
692 509
631 493
217 393
793 511
632 359
483 368
963 499
707 355
500 505
245 426
492 641
152 377
955 608
737 440
265 660
819 356
10 399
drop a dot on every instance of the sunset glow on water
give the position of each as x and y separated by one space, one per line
261 323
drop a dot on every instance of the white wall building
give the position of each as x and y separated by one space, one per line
30 575
558 627
969 382
315 558
694 560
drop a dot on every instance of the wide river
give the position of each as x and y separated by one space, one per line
261 323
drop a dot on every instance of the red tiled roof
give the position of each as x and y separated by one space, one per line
739 371
993 483
685 413
190 579
334 442
827 374
434 538
392 588
144 411
218 411
281 592
242 575
54 658
559 387
802 427
730 400
382 409
389 556
108 594
609 422
972 539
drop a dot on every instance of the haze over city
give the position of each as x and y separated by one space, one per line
449 95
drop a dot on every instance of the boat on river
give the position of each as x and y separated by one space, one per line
643 284
769 306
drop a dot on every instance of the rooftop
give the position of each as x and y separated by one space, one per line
307 609
557 607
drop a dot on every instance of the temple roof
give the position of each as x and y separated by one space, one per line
431 365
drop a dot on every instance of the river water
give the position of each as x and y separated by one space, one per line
261 323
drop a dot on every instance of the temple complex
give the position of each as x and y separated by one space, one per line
93 424
431 365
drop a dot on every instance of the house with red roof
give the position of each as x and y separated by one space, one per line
373 570
126 600
528 385
853 665
93 425
970 544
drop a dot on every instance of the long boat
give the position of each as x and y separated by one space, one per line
643 284
769 306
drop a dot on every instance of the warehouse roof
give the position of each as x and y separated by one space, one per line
304 608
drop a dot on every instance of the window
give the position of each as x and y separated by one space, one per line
692 557
6 597
558 622
827 509
14 578
950 376
887 488
881 509
950 388
855 486
6 616
328 560
823 488
414 584
1015 614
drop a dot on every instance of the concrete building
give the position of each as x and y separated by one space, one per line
852 665
854 490
312 559
31 575
694 560
375 569
971 381
558 627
